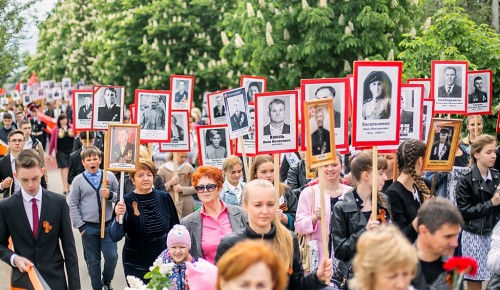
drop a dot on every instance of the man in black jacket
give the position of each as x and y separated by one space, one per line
75 159
439 224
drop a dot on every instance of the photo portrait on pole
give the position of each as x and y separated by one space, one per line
152 112
425 82
182 90
179 134
107 106
412 101
236 106
442 144
57 93
276 122
427 115
216 108
249 139
124 147
214 144
376 103
336 89
82 110
449 86
253 85
480 92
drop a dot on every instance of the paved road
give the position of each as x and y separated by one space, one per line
55 184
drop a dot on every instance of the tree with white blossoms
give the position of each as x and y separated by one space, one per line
158 275
291 40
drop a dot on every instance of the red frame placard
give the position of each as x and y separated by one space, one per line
398 65
191 89
168 109
434 80
188 134
293 115
264 87
209 113
345 116
131 108
229 144
430 116
419 80
490 93
75 110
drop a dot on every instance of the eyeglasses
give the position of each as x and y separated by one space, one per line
16 141
208 187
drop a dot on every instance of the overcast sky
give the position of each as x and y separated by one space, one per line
42 8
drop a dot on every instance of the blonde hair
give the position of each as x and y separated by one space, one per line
258 161
282 243
144 153
385 246
478 145
230 162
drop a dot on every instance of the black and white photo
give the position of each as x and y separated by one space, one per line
411 111
253 85
179 136
236 106
82 108
216 108
107 106
57 93
480 92
153 111
376 103
249 139
276 117
449 86
66 83
181 88
427 115
214 144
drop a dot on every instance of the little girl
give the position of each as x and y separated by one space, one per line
177 252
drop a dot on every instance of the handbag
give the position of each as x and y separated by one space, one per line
304 246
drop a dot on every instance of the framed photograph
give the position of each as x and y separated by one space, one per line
336 89
276 122
153 111
442 144
4 101
249 139
23 88
66 83
300 105
376 103
182 89
16 96
123 147
57 93
45 84
427 116
236 112
216 108
82 110
319 124
479 101
412 102
52 83
253 85
425 82
179 133
48 95
107 106
214 144
449 86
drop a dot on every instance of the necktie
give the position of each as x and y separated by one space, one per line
448 90
35 217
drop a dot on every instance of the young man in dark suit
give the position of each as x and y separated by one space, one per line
38 222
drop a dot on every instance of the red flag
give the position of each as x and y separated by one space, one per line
32 80
18 87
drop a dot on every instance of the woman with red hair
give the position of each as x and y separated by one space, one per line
215 219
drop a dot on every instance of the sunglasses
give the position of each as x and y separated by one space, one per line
208 187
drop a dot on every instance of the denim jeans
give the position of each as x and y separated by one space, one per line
93 246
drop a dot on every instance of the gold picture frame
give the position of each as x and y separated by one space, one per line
442 144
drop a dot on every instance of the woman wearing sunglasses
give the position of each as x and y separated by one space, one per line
215 219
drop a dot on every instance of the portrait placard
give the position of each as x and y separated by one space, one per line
26 100
179 133
57 93
214 144
216 108
336 89
82 109
427 116
16 96
425 82
23 88
449 86
253 85
249 139
182 90
107 106
442 144
66 83
48 95
4 101
276 122
319 123
376 103
236 112
153 111
479 101
123 147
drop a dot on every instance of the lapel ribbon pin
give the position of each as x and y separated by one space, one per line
47 226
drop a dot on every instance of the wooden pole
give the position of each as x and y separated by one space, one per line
104 183
277 172
324 237
433 183
150 152
250 160
245 161
395 170
374 182
175 174
122 189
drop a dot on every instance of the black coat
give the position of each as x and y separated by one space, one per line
474 201
6 171
296 178
404 208
297 279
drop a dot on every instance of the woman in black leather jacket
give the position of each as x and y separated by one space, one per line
351 216
260 201
478 200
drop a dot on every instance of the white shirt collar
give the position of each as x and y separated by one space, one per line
232 188
488 176
12 158
27 197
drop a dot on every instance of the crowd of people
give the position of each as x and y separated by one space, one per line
176 211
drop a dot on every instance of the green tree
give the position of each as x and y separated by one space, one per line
453 36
